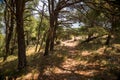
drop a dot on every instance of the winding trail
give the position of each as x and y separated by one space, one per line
70 63
72 68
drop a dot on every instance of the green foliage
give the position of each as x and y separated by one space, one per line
44 26
64 34
31 25
93 31
1 44
74 31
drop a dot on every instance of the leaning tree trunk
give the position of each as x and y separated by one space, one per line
20 34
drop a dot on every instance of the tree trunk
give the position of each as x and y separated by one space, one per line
43 39
90 39
47 45
51 29
108 40
7 19
54 24
49 35
53 39
20 34
9 22
52 42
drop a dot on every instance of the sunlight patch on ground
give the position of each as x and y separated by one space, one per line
70 63
31 76
30 50
9 59
87 73
88 63
83 62
70 43
101 50
85 53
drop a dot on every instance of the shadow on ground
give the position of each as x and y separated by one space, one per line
67 63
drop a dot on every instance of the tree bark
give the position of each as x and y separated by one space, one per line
20 34
108 40
55 25
47 45
7 20
52 42
53 38
90 39
49 35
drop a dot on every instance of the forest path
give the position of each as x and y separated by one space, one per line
72 67
81 64
70 62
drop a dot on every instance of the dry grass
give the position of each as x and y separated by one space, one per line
69 61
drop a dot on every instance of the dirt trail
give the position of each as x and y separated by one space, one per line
74 68
70 43
71 66
77 65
